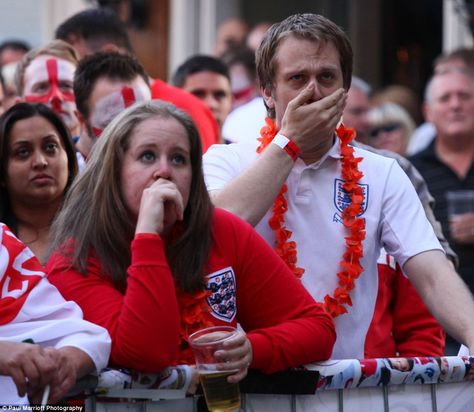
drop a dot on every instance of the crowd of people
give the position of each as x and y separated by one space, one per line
134 212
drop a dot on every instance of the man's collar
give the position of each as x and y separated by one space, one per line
334 152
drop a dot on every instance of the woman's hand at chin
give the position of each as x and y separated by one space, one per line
161 206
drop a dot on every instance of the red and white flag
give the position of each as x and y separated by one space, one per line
32 308
20 271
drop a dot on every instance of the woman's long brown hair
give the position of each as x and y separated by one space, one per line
94 215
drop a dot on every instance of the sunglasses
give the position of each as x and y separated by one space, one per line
387 129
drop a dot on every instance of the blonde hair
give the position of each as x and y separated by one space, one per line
401 95
56 48
392 113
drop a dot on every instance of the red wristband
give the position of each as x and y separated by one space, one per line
289 146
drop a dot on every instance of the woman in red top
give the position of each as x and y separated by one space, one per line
140 248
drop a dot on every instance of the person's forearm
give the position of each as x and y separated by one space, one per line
252 194
445 294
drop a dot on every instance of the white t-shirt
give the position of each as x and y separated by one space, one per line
244 123
81 161
393 213
421 138
463 351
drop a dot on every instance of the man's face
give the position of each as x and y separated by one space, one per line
230 33
298 63
355 113
49 80
451 105
214 90
10 55
110 97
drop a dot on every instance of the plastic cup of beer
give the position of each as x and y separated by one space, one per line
460 202
221 396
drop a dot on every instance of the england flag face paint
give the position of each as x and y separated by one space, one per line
49 80
108 100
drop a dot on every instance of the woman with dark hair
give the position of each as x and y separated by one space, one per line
38 164
140 248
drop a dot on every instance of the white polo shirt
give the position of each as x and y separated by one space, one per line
393 213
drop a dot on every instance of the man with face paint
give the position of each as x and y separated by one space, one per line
105 84
45 75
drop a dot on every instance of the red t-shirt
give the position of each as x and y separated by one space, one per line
199 112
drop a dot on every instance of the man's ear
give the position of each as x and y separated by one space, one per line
425 109
267 94
72 38
80 117
110 47
84 126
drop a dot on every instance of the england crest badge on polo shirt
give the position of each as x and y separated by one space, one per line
342 198
222 298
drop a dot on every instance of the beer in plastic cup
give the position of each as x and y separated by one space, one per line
221 396
460 202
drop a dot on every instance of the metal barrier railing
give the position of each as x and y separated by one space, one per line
395 384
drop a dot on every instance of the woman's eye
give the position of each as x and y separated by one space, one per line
147 156
178 159
51 147
22 153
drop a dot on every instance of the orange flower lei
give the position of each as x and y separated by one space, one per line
193 308
286 248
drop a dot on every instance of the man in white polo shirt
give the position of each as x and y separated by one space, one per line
334 207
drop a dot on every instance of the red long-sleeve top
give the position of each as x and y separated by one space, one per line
249 284
402 325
